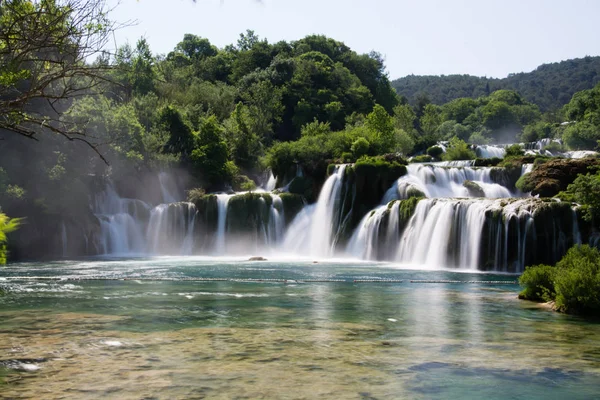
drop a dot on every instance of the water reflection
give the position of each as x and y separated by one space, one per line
188 339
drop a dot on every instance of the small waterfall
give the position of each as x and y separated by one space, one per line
315 227
63 235
222 201
489 151
526 168
167 195
171 229
271 183
122 222
435 181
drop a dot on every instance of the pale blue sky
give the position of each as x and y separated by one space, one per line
421 37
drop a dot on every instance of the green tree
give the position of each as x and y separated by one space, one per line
44 48
210 159
7 225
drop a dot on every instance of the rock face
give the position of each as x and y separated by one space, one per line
365 184
549 178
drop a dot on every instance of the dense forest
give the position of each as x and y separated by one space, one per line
223 117
550 86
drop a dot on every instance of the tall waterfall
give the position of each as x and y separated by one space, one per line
313 231
222 202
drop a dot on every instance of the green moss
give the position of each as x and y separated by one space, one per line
247 212
407 208
474 189
292 205
424 158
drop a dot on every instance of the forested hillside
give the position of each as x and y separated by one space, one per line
550 86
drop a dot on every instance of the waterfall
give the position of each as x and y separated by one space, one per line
222 201
433 180
489 151
122 222
314 229
489 234
271 183
63 235
167 195
171 228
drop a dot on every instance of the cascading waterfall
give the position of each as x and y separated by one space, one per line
491 234
448 228
490 151
171 229
434 180
313 230
121 222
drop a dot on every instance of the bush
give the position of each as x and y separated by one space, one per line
539 283
514 151
422 158
458 150
574 284
360 147
578 282
435 151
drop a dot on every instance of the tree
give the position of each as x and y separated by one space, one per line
43 51
7 225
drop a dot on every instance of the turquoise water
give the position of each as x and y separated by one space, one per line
155 335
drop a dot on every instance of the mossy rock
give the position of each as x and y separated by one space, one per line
247 212
487 162
303 186
474 189
553 176
424 158
292 205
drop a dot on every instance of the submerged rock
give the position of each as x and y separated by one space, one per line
257 258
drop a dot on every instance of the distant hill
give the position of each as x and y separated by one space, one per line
550 86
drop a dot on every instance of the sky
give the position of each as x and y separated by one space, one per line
422 37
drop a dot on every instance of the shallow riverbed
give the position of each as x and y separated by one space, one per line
158 335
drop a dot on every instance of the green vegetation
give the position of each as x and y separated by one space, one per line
573 284
458 150
550 86
585 190
7 225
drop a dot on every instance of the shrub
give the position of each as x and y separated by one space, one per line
360 147
514 151
193 195
574 283
422 158
539 283
435 151
458 150
578 282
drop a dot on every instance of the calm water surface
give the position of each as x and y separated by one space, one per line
170 338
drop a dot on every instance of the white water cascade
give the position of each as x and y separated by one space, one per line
121 223
171 229
313 231
435 180
222 202
465 233
490 151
